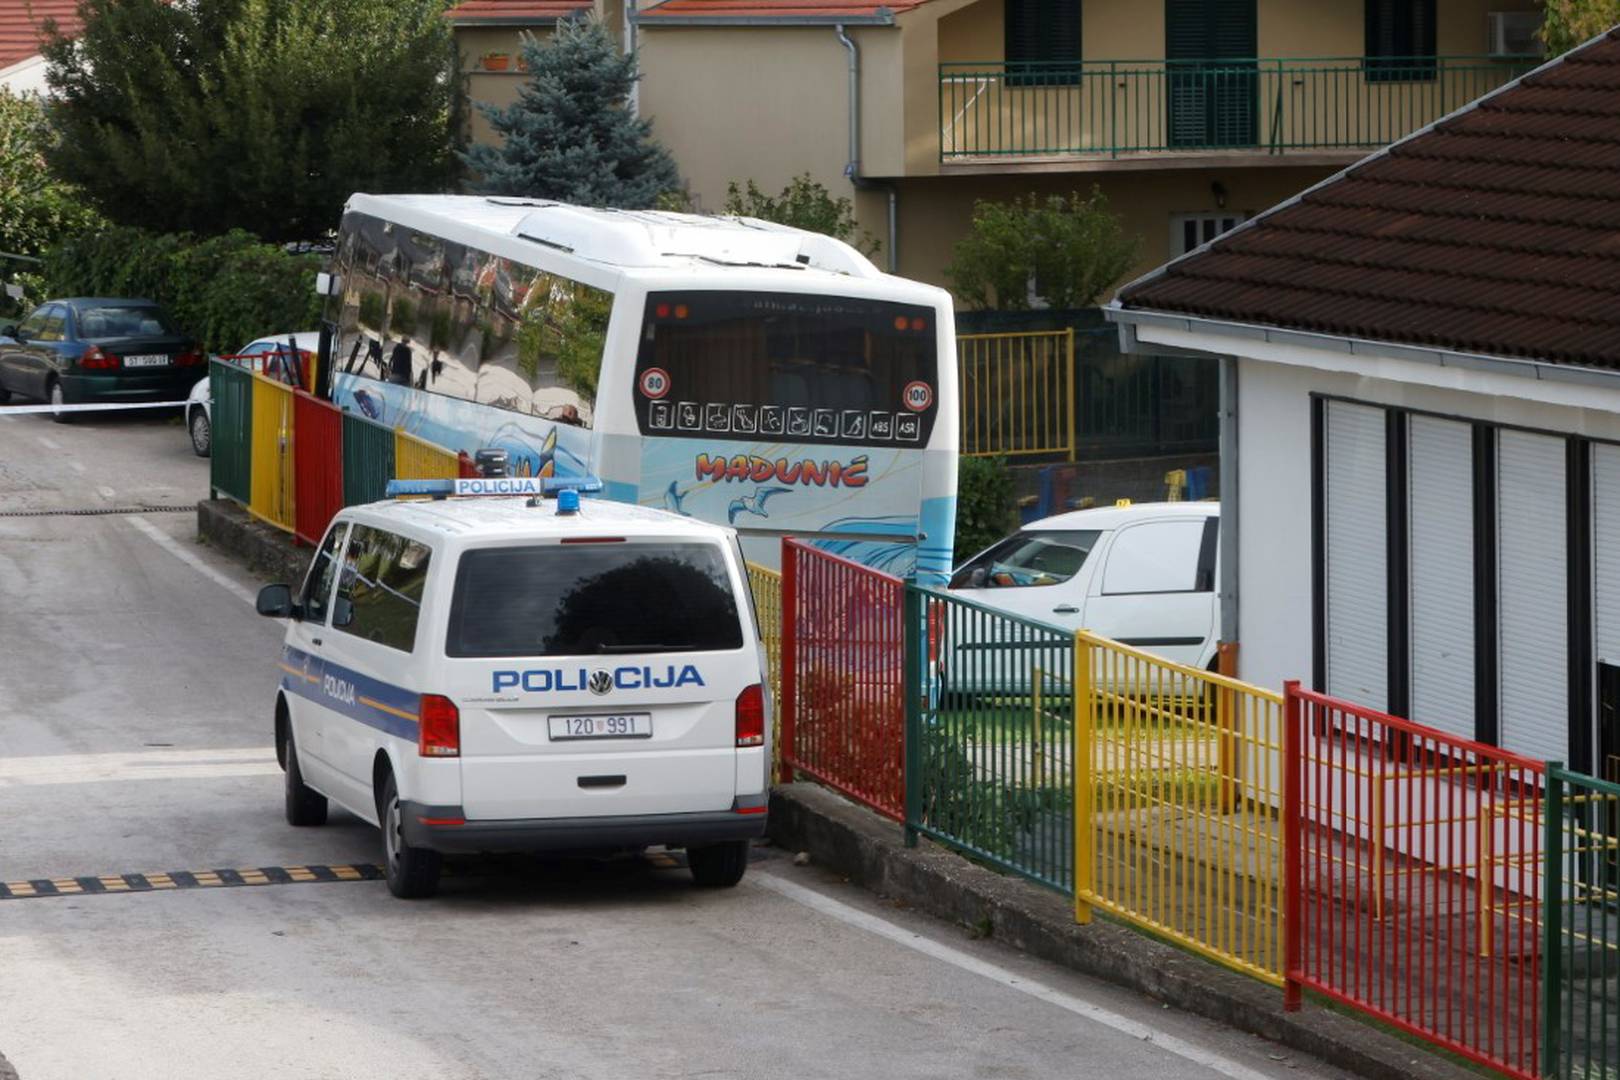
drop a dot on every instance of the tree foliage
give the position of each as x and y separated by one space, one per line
570 135
36 209
1073 248
1568 23
985 504
263 115
803 204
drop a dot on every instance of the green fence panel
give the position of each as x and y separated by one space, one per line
1581 1017
991 740
230 463
368 459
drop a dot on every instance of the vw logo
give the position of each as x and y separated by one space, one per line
601 681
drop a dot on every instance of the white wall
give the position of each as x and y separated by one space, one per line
25 76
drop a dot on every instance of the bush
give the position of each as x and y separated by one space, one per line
1068 251
985 506
224 291
803 204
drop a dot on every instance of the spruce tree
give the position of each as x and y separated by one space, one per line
570 135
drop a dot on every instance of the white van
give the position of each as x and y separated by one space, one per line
519 674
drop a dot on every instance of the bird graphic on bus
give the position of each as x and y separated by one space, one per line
752 504
675 499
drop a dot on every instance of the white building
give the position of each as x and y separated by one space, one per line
1421 419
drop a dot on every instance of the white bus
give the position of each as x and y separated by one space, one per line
728 369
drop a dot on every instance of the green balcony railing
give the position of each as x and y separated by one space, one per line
1111 108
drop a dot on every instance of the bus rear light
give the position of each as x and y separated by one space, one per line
680 311
751 716
96 358
900 322
438 729
919 324
662 311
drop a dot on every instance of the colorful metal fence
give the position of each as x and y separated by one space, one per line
1017 392
230 464
765 585
1179 821
1414 866
990 739
1581 1029
317 466
417 459
368 459
272 497
842 646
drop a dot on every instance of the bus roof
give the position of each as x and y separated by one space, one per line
624 240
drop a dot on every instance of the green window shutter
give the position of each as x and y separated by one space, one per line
1400 40
1210 46
1042 32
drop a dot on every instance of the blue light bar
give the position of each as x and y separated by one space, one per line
437 488
493 485
588 484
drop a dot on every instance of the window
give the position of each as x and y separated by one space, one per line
380 591
1040 36
54 326
1029 559
1157 557
1400 40
34 325
593 599
122 320
811 368
1188 231
318 583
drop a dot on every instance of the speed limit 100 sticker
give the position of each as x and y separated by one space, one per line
654 382
918 396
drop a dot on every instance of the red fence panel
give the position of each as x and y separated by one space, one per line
1415 879
317 466
843 664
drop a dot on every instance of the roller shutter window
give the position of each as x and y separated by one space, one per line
1606 552
1532 584
1441 477
1357 616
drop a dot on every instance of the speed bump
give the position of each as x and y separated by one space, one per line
186 879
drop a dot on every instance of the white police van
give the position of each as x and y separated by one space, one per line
478 674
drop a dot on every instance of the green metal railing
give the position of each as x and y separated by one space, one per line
230 460
368 459
1581 924
990 735
1115 107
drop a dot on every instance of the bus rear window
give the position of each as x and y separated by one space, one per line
598 599
787 367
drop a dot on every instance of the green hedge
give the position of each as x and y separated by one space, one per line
986 504
224 291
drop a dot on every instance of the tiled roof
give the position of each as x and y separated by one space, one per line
21 22
785 10
1495 232
514 12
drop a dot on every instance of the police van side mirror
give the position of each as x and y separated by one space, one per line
276 601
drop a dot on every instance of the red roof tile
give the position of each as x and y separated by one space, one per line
21 23
1496 232
786 10
514 12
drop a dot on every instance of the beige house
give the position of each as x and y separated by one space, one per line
489 46
1190 114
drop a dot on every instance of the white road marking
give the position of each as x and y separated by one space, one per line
137 765
77 467
173 547
49 443
850 916
107 493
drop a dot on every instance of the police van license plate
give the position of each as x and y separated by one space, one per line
610 726
145 361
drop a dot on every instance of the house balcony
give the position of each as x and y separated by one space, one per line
1122 114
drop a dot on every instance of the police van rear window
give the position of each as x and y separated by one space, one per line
593 599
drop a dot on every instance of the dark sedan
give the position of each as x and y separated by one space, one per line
97 350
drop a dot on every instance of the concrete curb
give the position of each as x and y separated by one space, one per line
268 552
871 852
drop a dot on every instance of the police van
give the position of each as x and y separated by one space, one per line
507 667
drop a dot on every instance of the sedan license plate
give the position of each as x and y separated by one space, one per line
145 361
602 726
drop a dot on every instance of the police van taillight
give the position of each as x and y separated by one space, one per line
438 730
751 716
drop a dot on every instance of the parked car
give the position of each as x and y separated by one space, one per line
267 355
97 349
1142 575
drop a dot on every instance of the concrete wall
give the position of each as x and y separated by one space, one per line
499 88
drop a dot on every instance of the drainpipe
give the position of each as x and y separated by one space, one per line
630 50
853 168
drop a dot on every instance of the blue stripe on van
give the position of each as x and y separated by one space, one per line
388 708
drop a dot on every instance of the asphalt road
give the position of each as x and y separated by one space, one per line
135 693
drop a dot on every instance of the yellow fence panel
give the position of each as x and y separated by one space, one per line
1017 393
766 585
1178 824
418 459
271 487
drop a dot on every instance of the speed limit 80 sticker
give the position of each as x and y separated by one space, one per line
918 396
655 382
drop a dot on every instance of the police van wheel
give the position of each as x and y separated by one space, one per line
412 872
718 866
305 806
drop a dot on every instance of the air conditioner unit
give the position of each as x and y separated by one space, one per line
1513 33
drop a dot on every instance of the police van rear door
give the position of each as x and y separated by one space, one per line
598 676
